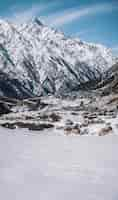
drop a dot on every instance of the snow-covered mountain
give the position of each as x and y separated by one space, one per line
36 59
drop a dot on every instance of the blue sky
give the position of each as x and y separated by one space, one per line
91 20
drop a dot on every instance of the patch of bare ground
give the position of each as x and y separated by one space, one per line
105 131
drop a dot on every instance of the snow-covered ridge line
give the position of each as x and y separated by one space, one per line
38 60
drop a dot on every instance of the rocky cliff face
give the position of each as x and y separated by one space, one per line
36 60
109 84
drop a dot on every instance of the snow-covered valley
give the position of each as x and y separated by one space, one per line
54 93
60 161
85 115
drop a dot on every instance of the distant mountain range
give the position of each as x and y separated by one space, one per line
36 60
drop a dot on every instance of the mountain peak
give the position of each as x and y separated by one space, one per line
36 59
36 20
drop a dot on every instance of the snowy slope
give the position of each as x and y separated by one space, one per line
41 167
42 60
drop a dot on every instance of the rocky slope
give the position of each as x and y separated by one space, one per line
109 84
36 60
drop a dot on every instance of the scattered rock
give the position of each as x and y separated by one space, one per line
44 117
74 113
81 104
105 131
85 123
54 117
74 129
69 122
85 132
28 117
4 109
59 127
9 125
91 116
40 127
103 112
30 126
68 130
96 121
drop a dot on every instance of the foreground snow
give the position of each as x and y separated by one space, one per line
38 166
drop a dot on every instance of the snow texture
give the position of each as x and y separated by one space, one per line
54 167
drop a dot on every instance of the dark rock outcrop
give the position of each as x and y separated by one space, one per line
4 109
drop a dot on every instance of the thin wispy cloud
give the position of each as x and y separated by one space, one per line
58 14
84 32
20 15
24 16
70 15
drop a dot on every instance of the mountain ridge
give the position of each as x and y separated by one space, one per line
42 60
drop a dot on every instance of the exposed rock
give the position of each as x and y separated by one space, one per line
90 116
69 122
105 131
9 125
81 104
62 121
74 129
96 121
109 84
59 127
54 117
68 130
40 127
85 123
74 113
4 109
85 132
30 126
